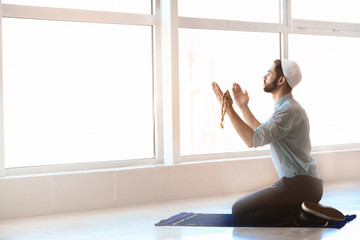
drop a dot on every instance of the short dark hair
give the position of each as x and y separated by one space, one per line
278 68
279 71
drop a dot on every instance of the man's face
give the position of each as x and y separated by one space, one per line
270 80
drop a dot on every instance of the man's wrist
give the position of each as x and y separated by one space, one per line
244 108
230 109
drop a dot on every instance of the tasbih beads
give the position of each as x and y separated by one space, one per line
223 109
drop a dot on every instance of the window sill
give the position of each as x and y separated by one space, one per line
146 163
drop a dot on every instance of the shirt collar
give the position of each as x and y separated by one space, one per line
282 100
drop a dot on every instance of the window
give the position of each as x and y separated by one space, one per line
243 10
329 89
85 81
132 6
327 10
224 57
76 92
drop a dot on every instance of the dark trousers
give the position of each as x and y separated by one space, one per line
278 204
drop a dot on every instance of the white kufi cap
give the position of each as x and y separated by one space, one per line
291 72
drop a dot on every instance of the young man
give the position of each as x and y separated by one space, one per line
293 199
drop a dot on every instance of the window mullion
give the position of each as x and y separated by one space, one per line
170 80
76 15
286 22
157 85
2 155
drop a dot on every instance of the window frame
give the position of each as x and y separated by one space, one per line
286 26
88 16
166 114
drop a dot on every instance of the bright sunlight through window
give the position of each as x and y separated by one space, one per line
223 57
329 89
76 92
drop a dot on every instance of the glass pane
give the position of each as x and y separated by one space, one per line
244 10
71 92
329 89
224 57
132 6
327 10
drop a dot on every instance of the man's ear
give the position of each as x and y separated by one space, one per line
282 81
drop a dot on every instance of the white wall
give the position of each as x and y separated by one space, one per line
32 195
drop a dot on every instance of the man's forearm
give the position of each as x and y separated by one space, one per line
244 130
250 118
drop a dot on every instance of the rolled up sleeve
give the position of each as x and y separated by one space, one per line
277 127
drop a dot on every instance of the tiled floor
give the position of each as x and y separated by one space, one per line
137 222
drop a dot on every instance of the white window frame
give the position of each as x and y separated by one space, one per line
166 22
287 25
89 16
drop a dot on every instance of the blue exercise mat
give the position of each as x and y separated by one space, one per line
223 220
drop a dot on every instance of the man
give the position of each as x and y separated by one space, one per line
293 199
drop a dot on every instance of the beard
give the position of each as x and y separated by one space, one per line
271 86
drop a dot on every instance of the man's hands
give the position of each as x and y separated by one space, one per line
241 98
219 95
243 129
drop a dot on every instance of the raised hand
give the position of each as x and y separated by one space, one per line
219 94
241 98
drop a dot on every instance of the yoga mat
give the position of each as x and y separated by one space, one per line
223 220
